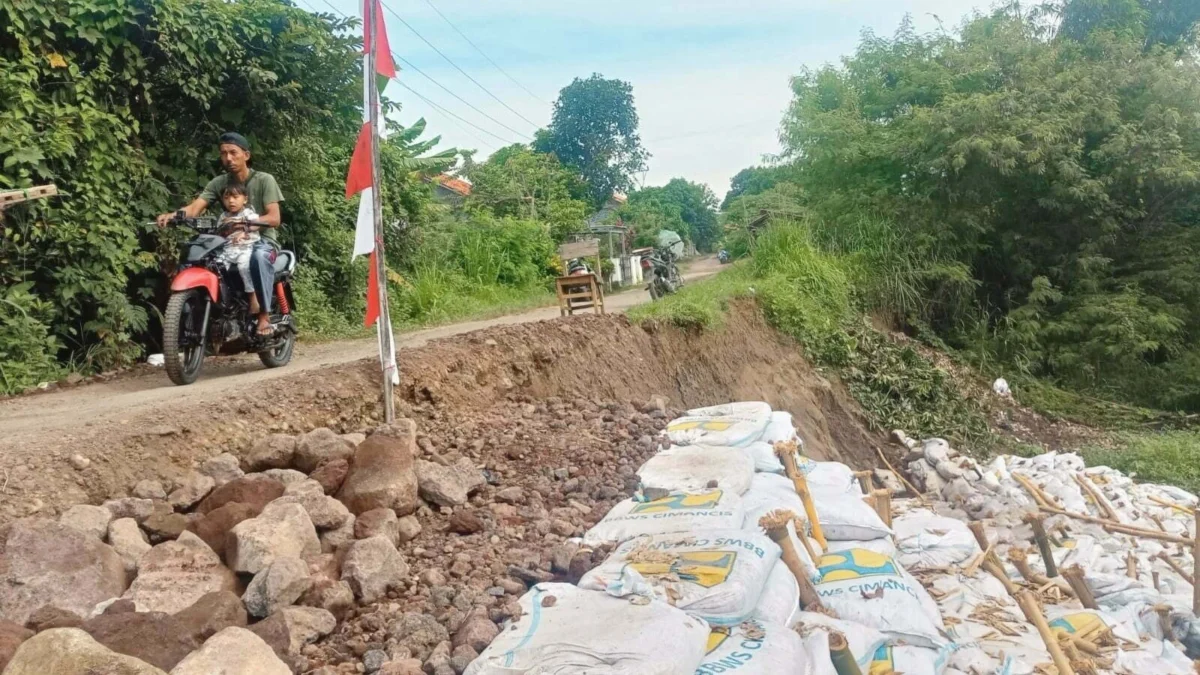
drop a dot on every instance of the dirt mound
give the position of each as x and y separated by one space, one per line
592 358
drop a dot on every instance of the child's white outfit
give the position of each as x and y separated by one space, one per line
239 253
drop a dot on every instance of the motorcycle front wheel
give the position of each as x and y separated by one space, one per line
183 335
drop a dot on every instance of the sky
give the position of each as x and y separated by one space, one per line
710 77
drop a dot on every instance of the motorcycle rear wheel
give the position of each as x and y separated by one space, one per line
281 354
185 311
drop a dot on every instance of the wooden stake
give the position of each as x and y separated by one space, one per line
12 197
775 523
1131 569
1102 503
801 485
1164 620
1196 564
1043 542
1154 578
1110 526
1019 557
911 488
993 566
977 529
883 506
1075 577
1033 613
800 529
1178 569
842 657
865 481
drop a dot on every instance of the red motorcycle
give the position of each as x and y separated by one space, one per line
209 309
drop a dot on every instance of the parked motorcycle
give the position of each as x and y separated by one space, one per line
663 274
723 256
209 308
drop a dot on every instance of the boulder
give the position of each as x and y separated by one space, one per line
49 617
276 586
154 637
408 528
402 667
291 629
233 651
372 567
281 530
149 489
256 490
51 564
325 512
477 632
335 597
194 487
70 651
175 574
222 469
273 452
339 538
213 613
382 475
468 522
131 507
420 633
285 476
378 522
448 485
213 527
354 439
128 540
331 474
91 520
164 526
11 637
318 446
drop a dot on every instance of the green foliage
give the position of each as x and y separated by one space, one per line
26 344
1164 457
520 183
594 129
685 207
755 180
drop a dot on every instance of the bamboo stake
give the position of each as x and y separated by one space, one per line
1033 613
865 481
1034 491
1154 578
842 657
1131 569
1074 576
1196 564
1171 505
1043 543
883 506
911 488
993 566
775 523
1164 620
801 485
977 529
1097 496
1178 569
812 555
1110 526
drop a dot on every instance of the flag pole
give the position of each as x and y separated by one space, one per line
384 323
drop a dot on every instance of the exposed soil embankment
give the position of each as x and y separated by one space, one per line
592 358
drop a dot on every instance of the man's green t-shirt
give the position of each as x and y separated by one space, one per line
261 190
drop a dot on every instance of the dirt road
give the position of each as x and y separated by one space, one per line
71 410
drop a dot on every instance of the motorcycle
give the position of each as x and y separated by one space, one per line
664 275
209 308
723 256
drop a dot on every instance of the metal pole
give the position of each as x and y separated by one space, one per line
384 323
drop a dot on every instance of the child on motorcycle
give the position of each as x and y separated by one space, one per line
237 221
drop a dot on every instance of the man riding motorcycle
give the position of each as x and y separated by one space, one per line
264 197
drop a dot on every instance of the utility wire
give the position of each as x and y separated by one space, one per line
450 113
445 89
484 55
456 66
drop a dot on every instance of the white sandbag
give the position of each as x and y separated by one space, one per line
925 539
816 648
829 478
587 632
780 599
863 641
732 424
753 648
717 575
906 659
769 492
677 512
867 588
764 457
780 428
884 546
847 517
688 468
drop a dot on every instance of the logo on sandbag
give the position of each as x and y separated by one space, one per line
1075 623
881 662
703 568
703 425
716 638
681 501
855 564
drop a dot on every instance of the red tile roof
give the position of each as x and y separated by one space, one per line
455 185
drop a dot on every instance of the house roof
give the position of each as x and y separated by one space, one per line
455 185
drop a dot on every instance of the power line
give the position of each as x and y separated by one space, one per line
481 52
456 66
445 111
429 77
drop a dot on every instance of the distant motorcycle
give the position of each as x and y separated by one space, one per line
723 256
663 273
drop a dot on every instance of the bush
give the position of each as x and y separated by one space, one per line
27 347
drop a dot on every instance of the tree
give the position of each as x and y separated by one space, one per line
755 180
594 129
650 211
518 182
695 204
1171 23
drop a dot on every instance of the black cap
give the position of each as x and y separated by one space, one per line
234 138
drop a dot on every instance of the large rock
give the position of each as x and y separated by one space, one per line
338 538
149 489
91 520
318 446
325 512
49 617
233 651
477 632
372 567
213 613
280 531
254 489
51 564
154 637
331 474
286 476
292 628
175 574
273 452
335 597
165 525
194 487
276 586
70 651
131 507
128 540
11 637
222 469
382 475
420 633
213 527
378 522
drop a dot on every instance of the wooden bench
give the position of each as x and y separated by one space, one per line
577 292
